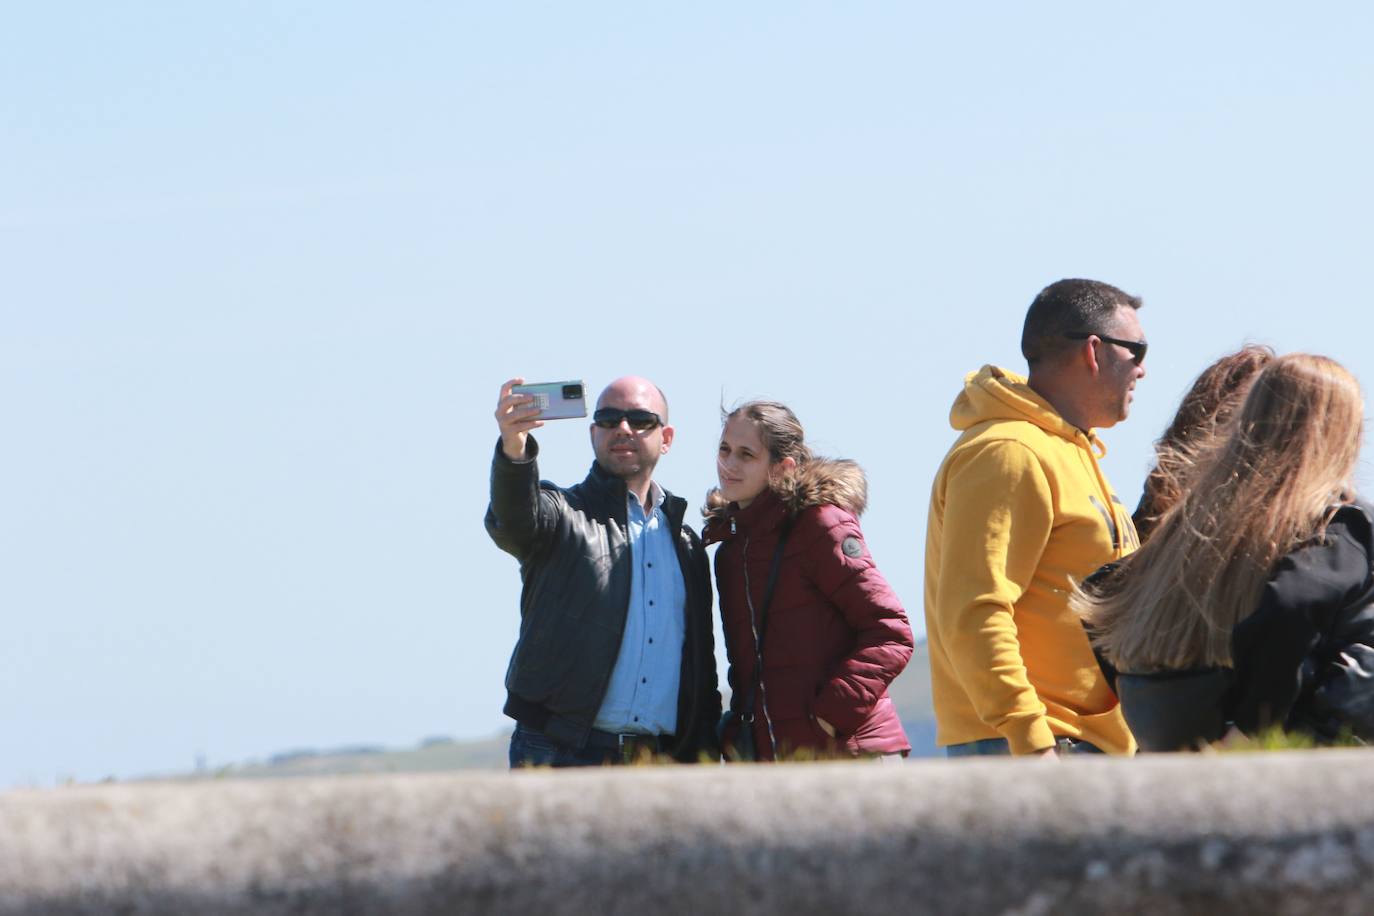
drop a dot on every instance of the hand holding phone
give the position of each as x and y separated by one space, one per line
523 407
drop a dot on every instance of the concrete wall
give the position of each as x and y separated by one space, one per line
1273 833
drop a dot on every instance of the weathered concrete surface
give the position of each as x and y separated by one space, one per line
1272 833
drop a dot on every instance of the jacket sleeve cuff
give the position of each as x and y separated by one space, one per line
1028 736
842 716
501 459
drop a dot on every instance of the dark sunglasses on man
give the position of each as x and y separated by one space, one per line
1137 347
639 420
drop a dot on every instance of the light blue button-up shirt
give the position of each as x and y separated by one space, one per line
642 695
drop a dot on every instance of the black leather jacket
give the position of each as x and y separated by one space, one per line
575 568
1303 660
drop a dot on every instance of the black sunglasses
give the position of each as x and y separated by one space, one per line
1137 347
639 420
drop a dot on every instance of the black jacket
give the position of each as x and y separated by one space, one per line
1304 660
575 568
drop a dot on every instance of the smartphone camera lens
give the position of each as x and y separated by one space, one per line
572 392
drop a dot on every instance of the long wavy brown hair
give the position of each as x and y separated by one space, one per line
1268 482
1207 407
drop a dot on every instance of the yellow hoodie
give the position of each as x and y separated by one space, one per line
1019 512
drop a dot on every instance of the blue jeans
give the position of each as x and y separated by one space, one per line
529 748
998 747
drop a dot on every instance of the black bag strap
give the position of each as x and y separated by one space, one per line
747 707
773 572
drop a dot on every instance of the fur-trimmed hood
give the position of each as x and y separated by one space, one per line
819 482
825 482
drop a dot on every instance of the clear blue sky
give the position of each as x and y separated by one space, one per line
266 265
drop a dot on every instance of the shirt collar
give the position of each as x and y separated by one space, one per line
656 497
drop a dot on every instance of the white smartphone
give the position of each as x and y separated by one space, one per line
556 400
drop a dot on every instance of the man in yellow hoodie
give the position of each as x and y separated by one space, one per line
1020 512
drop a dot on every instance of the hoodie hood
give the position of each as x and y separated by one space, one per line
994 393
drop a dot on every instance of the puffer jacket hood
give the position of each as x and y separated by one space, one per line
825 482
993 393
820 482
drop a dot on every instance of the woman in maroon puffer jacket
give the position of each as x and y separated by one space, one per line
834 635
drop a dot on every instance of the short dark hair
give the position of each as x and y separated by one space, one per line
1067 306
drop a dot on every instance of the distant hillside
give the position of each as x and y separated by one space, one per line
910 691
433 755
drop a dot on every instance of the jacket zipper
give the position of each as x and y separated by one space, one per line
758 652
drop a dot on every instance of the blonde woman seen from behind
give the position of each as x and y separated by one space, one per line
1249 604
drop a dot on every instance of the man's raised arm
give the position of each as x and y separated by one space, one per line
517 513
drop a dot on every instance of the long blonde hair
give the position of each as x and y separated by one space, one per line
1265 483
1216 394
